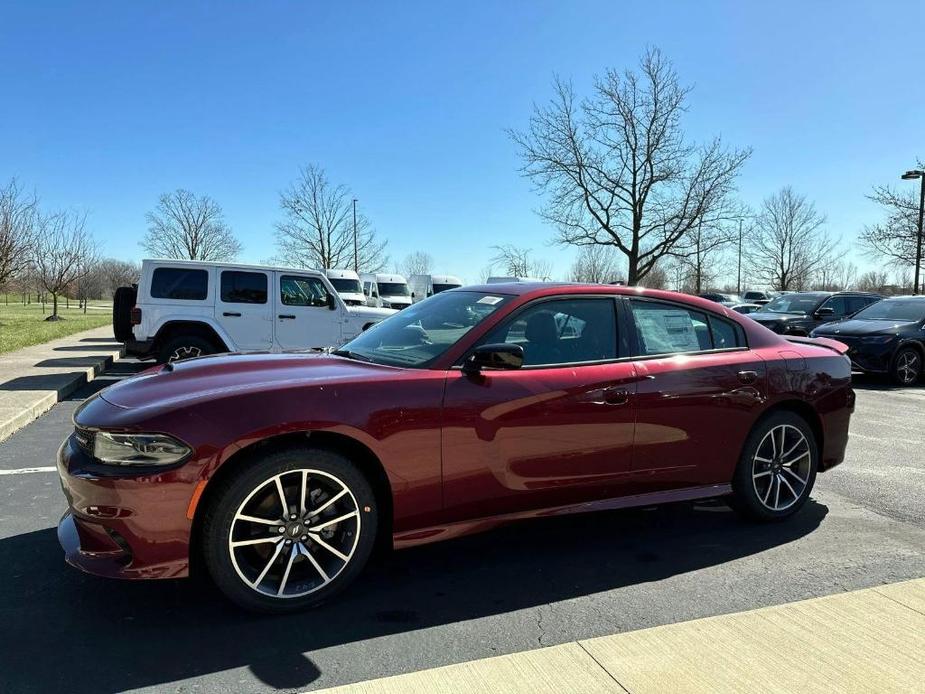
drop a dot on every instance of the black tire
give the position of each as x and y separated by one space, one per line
123 301
184 347
358 535
907 366
754 482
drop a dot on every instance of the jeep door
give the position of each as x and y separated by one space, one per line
243 308
304 319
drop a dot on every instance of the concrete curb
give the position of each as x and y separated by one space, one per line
34 379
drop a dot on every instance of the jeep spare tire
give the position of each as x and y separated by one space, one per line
123 301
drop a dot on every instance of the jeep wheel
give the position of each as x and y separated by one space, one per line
184 347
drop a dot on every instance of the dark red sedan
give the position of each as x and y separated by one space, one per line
481 405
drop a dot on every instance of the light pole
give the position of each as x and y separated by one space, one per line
356 260
911 176
739 280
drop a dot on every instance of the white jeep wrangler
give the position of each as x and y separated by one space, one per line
182 309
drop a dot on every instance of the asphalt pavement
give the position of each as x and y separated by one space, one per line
533 584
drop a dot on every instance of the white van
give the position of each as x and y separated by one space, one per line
423 286
370 290
183 309
347 284
393 291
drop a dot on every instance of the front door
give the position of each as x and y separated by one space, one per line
244 310
304 319
557 431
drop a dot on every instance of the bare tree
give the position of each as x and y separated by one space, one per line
788 245
703 265
417 263
17 230
518 262
895 238
616 169
596 264
656 278
63 253
115 273
873 281
187 227
318 229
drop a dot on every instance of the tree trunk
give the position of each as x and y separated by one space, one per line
54 305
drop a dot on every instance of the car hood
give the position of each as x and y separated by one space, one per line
767 317
863 327
188 382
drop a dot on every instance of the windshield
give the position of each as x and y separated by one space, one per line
345 285
421 333
893 309
393 289
792 303
443 287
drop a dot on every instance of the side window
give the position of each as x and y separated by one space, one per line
668 329
302 291
838 304
563 331
244 287
179 283
726 335
856 303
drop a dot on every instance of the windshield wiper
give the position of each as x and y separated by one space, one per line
350 355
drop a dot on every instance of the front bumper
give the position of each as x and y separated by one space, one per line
123 526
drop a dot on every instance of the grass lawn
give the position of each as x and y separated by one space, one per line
21 326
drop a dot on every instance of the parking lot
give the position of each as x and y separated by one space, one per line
539 583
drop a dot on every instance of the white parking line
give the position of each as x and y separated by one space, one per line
28 470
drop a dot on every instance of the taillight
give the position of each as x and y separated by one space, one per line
136 315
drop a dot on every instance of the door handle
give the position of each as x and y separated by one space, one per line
286 316
231 314
748 377
616 396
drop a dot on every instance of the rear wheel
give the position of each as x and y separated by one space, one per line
184 347
907 366
290 531
778 468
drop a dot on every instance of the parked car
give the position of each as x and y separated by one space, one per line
182 309
887 337
746 309
347 284
393 291
798 313
423 286
279 473
753 296
724 299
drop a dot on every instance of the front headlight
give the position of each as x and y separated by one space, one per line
877 339
138 449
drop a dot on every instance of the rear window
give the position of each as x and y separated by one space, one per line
184 284
244 287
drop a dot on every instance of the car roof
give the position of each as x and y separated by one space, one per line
169 262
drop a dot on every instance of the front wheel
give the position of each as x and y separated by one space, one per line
777 470
907 366
290 530
184 347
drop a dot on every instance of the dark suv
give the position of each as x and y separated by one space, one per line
799 313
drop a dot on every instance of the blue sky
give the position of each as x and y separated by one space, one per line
105 105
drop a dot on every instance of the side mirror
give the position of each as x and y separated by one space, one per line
332 302
412 295
825 311
501 356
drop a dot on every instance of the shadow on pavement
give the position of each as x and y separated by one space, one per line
68 631
861 381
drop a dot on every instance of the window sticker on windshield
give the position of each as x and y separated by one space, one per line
667 331
490 300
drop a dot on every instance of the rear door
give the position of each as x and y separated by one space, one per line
700 389
304 319
243 307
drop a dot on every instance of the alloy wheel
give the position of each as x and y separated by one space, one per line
781 467
907 366
181 353
294 533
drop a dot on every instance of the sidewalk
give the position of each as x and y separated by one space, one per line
33 379
869 640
